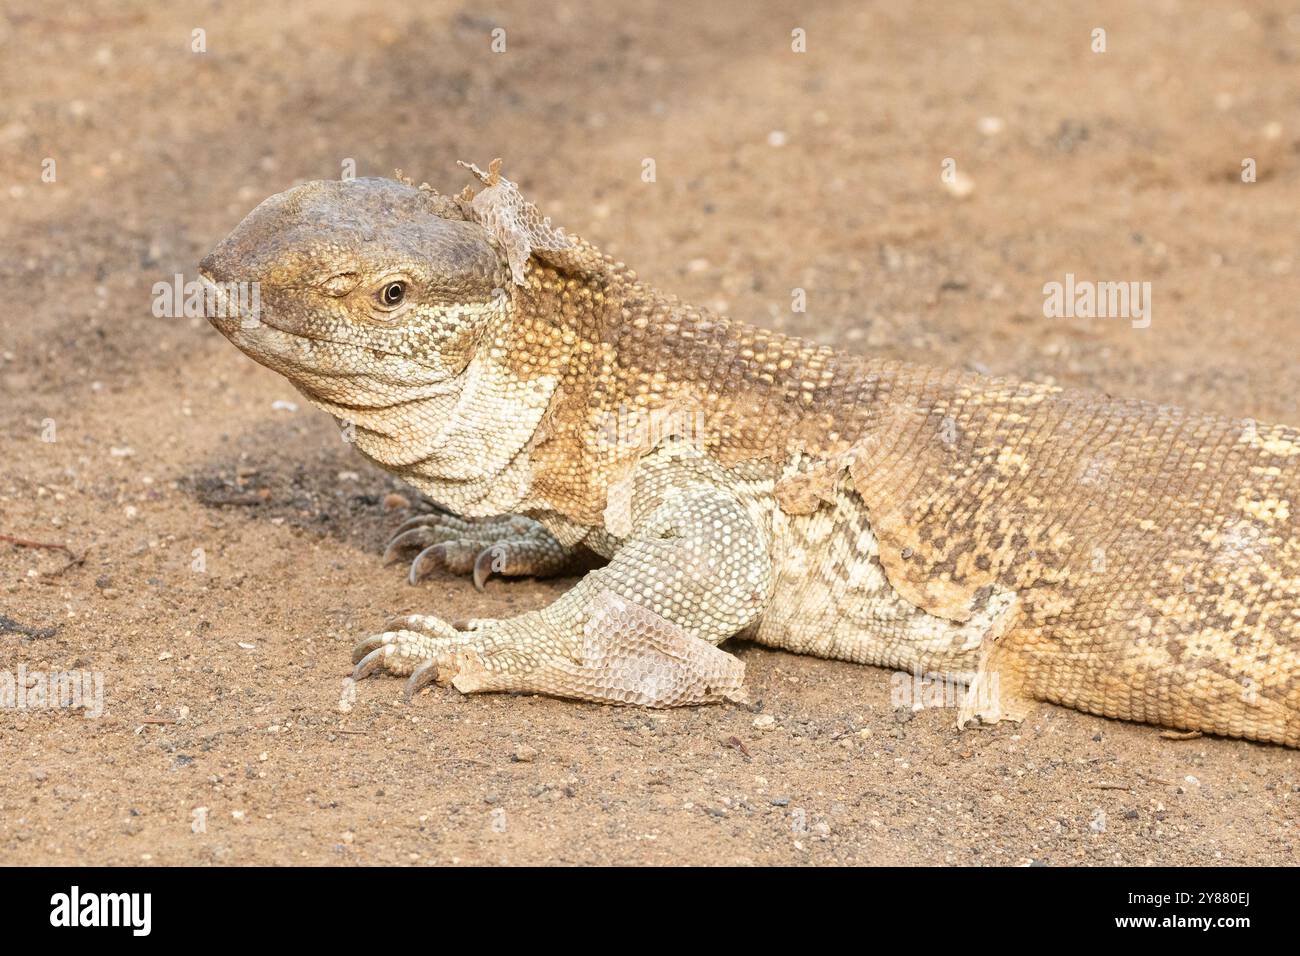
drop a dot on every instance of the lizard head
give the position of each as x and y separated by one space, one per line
365 293
396 310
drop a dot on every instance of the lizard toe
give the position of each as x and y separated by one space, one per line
362 648
399 652
455 556
369 663
441 519
420 536
488 560
404 541
427 561
424 674
426 623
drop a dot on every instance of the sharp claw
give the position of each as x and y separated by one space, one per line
411 524
423 520
401 541
421 677
422 514
368 645
435 555
483 567
368 665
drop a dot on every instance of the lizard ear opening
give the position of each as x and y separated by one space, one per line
521 229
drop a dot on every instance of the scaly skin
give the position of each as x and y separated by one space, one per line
1126 559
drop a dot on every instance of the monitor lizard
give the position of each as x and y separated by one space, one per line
1031 542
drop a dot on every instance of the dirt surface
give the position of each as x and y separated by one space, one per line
229 545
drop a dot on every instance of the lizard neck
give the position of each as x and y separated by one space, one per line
463 442
645 365
470 458
625 366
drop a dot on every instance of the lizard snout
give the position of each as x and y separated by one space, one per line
219 268
229 303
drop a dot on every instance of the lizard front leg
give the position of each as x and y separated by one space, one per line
641 630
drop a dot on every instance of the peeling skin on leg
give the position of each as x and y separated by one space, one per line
629 655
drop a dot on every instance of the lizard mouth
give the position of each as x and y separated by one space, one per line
234 309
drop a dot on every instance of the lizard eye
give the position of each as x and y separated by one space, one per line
391 294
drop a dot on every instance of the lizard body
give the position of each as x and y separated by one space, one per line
1123 558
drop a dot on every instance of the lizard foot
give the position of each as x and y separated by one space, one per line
617 652
510 545
420 656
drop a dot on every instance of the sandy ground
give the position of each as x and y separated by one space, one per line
231 545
